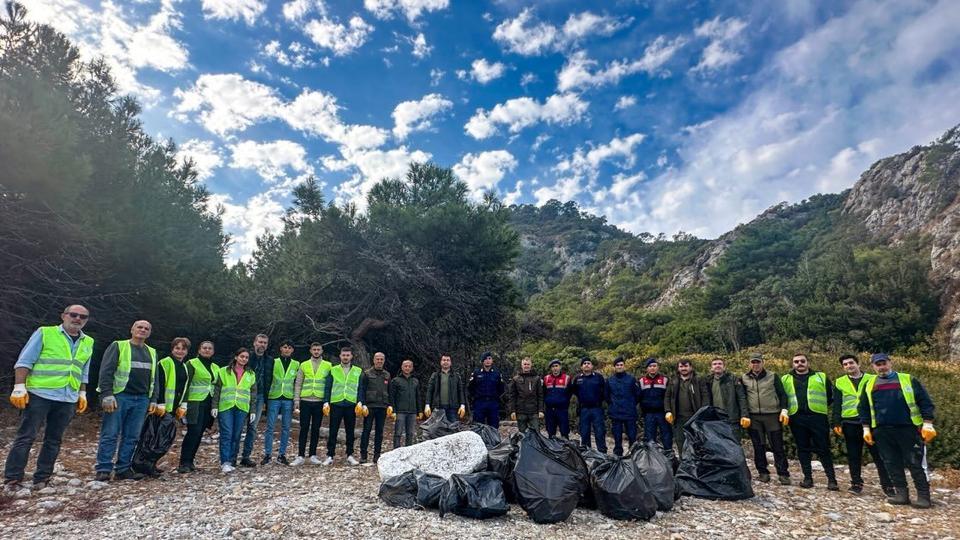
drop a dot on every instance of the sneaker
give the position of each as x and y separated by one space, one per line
328 461
40 484
102 477
13 486
832 485
128 474
784 480
764 477
282 459
856 489
922 502
889 491
806 483
183 469
352 461
193 468
227 468
297 462
900 498
265 460
363 459
247 462
315 460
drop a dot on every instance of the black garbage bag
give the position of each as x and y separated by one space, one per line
550 478
156 438
713 465
400 490
621 491
489 434
438 426
657 469
501 459
429 487
592 457
475 495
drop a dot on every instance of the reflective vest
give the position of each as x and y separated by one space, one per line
58 366
233 394
345 387
816 393
851 395
122 374
313 384
906 386
201 382
168 365
282 385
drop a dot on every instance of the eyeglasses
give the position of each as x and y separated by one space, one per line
75 315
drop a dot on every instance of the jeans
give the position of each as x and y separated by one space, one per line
654 423
311 416
812 434
124 425
284 407
558 416
592 418
766 427
345 414
528 421
618 427
375 420
191 441
257 412
487 412
853 441
405 423
450 413
901 447
231 427
56 415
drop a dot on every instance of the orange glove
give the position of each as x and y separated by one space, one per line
326 409
513 416
390 414
838 430
358 409
784 417
669 418
420 416
151 409
82 402
427 412
867 436
181 411
927 432
461 412
745 423
19 397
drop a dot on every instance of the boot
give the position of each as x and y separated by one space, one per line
832 484
784 480
900 498
923 500
763 477
807 482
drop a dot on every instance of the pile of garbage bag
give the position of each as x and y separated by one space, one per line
550 477
475 495
620 490
713 465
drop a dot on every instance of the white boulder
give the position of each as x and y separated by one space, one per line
458 453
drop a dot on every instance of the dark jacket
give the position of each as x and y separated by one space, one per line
699 394
836 409
525 393
889 404
139 382
623 394
405 395
653 391
734 401
485 385
754 388
591 391
376 388
260 364
456 392
181 378
557 390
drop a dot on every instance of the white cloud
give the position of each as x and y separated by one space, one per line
226 102
296 10
436 75
411 9
483 171
518 113
565 189
580 71
722 34
410 116
317 113
528 78
584 24
580 172
271 160
248 10
513 197
205 155
260 214
372 166
528 36
420 47
625 102
296 55
341 39
587 162
483 71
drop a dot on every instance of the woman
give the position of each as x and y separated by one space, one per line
233 393
201 373
172 379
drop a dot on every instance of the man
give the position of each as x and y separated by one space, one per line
308 399
686 394
445 392
344 403
376 390
809 395
623 393
846 424
897 414
766 407
280 381
653 393
556 400
591 390
485 388
404 403
50 383
128 391
525 397
258 362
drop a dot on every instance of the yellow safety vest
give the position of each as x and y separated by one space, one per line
345 388
816 393
58 366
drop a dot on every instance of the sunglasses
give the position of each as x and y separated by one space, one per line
799 361
75 315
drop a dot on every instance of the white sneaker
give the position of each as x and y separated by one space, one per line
297 462
351 461
314 460
328 461
226 468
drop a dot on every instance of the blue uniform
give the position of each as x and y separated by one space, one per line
591 392
623 393
485 388
556 399
653 391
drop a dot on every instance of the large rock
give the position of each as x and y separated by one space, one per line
458 453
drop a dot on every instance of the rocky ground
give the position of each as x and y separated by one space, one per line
341 502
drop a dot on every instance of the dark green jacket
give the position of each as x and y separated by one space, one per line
376 388
405 395
734 401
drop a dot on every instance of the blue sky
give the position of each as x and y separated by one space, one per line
662 116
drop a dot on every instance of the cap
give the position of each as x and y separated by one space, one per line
878 357
649 361
756 357
585 359
486 355
554 362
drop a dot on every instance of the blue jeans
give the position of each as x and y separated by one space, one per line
231 427
592 418
450 413
558 417
654 422
486 412
285 408
123 424
618 427
252 427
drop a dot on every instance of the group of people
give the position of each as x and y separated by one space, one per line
889 412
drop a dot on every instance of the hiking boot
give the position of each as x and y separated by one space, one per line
900 498
247 462
856 489
128 474
265 460
923 501
102 477
784 480
154 473
40 484
363 458
764 477
806 483
12 486
183 469
832 485
889 491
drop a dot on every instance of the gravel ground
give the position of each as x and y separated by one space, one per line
341 502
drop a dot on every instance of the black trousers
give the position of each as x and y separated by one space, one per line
373 421
341 414
902 448
812 434
56 415
764 428
311 416
853 441
191 441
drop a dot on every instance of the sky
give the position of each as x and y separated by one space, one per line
662 116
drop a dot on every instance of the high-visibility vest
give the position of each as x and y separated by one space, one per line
345 387
169 368
906 386
58 366
122 374
851 394
816 393
201 382
233 394
282 385
313 385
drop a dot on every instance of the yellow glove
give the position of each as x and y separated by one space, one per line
540 415
358 409
366 411
513 416
867 436
390 412
927 432
181 411
19 397
461 412
745 423
82 402
326 409
427 412
669 418
784 417
838 430
420 416
160 410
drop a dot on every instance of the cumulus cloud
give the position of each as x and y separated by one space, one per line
410 116
271 160
420 47
723 34
411 9
625 102
372 166
248 10
580 71
483 171
296 55
341 39
528 36
224 103
204 154
581 170
483 71
519 113
246 221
